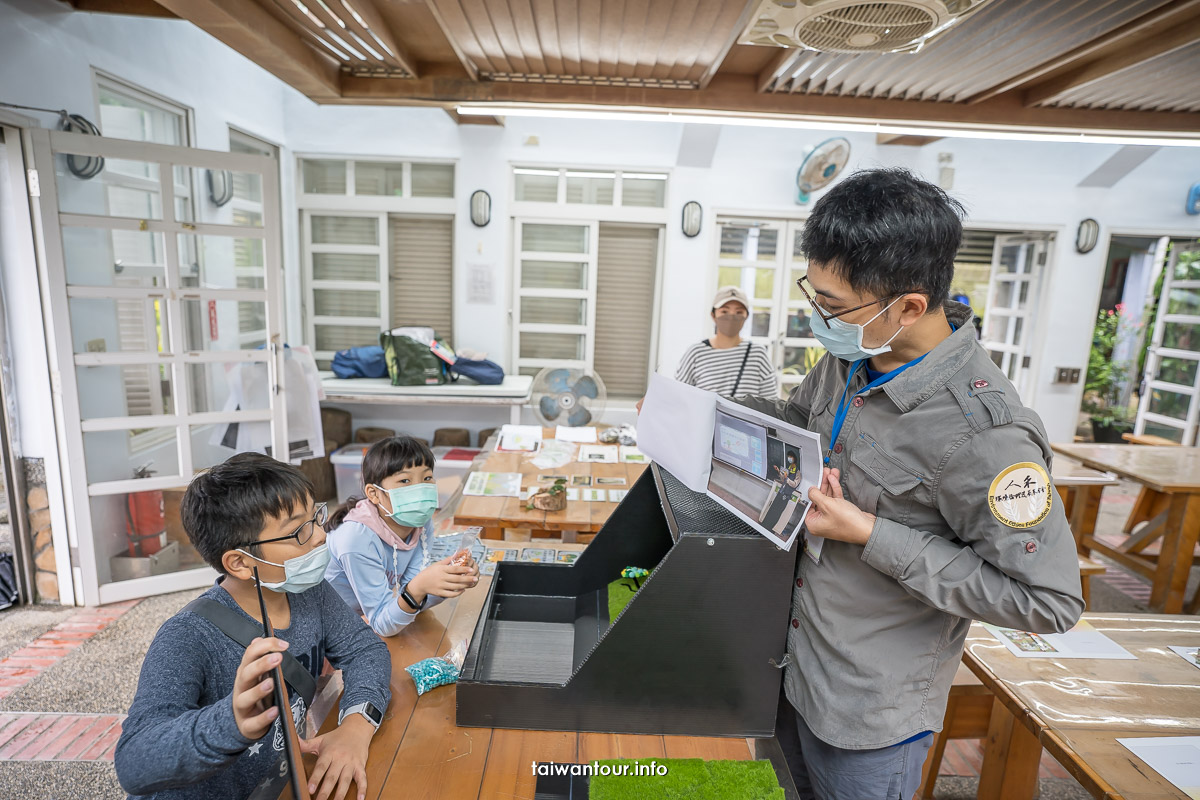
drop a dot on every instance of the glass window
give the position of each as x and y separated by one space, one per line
433 180
323 176
379 178
644 190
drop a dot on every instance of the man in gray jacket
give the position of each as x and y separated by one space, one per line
935 506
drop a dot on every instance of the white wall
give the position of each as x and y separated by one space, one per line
47 53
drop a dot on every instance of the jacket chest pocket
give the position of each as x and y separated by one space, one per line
878 482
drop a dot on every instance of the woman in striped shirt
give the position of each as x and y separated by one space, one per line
726 364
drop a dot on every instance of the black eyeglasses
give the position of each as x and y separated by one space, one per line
825 316
301 534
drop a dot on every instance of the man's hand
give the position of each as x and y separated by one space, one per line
253 709
443 579
832 516
341 757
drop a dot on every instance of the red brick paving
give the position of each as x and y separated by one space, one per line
58 737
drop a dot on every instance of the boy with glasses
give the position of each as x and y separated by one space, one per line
203 724
935 505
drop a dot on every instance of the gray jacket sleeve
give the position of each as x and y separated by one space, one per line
1024 578
169 740
794 411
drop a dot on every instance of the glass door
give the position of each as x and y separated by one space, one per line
1017 265
164 323
1170 406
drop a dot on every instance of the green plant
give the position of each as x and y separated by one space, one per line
1105 380
559 487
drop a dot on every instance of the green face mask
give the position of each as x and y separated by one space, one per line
412 506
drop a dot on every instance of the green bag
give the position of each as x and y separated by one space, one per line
411 363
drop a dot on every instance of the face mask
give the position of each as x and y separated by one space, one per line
300 573
845 339
412 506
730 325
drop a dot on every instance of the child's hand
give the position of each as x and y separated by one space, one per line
253 709
443 579
341 757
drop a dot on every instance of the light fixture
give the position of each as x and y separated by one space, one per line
1087 235
691 219
220 186
481 208
852 124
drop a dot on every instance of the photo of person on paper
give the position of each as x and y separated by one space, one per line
785 507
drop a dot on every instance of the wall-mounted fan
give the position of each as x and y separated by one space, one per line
563 396
821 166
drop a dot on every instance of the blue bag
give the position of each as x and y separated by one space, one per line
482 371
360 362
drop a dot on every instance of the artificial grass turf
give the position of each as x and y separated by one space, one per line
691 778
620 592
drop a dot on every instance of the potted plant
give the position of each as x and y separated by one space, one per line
1105 382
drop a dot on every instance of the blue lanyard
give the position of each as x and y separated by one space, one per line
839 418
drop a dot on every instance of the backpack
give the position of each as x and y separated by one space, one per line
410 362
482 371
360 362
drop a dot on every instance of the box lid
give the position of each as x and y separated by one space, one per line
349 455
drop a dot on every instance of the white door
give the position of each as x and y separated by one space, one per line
158 305
1018 264
1170 406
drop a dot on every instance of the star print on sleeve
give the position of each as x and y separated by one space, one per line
255 748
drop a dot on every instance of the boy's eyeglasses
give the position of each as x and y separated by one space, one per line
301 534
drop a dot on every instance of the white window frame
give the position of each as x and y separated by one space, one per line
588 329
560 209
1035 257
1157 353
106 80
268 150
407 204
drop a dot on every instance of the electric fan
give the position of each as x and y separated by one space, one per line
563 396
821 166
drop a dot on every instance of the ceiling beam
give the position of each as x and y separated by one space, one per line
473 119
1147 26
469 65
255 33
375 23
1138 49
906 139
742 21
135 8
736 94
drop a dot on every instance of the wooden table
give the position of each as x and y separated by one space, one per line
1077 708
494 514
419 752
1174 471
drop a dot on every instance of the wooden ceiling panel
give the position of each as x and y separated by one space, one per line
1167 83
603 42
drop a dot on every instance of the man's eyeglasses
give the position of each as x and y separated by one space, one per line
301 534
824 314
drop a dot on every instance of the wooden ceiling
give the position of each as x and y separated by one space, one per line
1101 65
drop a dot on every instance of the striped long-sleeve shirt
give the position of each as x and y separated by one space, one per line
706 367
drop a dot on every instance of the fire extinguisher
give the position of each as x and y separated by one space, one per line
145 521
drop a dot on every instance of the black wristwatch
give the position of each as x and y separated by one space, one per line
408 598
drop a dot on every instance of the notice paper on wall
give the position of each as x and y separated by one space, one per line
757 466
1176 758
1082 641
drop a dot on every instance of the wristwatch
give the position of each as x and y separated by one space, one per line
373 714
408 598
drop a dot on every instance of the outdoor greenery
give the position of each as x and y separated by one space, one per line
1105 379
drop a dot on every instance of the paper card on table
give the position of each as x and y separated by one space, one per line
567 557
631 455
501 554
585 435
572 494
493 484
520 438
594 495
1176 758
675 429
538 554
1189 654
606 481
597 454
616 495
1082 641
581 480
548 478
553 454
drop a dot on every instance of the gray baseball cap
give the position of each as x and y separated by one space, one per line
729 293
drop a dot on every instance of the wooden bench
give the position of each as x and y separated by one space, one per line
968 715
1088 568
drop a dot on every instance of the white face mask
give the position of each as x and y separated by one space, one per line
300 573
845 339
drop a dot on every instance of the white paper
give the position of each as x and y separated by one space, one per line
617 495
594 495
572 494
480 289
1082 641
553 454
631 455
584 435
1189 654
675 429
493 484
1176 758
597 454
751 475
522 438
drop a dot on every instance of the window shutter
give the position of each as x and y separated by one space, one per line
421 272
143 391
628 263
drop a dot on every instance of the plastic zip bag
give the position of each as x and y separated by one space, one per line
430 673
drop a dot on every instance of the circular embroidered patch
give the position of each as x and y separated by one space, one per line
1020 496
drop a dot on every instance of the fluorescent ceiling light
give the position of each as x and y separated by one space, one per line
955 130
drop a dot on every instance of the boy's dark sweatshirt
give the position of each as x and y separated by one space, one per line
180 740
